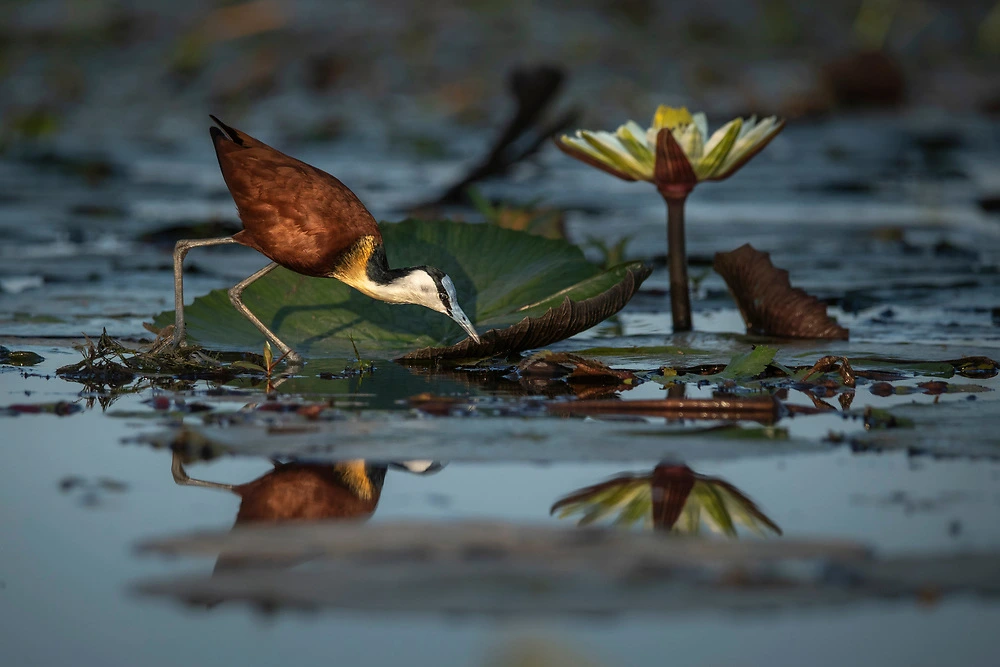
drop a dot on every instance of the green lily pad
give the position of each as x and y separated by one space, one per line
19 357
502 277
749 364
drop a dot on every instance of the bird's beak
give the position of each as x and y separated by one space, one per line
459 316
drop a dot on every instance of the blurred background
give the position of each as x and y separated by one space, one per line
402 75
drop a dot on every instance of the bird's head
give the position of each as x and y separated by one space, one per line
431 288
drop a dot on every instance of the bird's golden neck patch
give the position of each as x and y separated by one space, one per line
352 268
354 476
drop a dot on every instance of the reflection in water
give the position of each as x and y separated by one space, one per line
303 491
672 498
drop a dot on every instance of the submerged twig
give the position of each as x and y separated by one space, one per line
830 363
765 410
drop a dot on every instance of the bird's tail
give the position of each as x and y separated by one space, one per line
232 133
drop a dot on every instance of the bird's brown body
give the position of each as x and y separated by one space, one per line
311 492
297 215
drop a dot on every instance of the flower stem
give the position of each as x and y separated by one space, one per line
680 300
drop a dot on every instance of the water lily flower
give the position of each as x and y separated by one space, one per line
675 153
672 498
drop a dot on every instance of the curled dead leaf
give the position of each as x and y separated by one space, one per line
831 363
767 301
574 368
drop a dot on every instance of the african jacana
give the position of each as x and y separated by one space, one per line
306 220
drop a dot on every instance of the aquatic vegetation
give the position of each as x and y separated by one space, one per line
675 153
109 369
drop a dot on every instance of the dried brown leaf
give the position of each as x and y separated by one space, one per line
574 367
767 301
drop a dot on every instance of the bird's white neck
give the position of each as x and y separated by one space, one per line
415 287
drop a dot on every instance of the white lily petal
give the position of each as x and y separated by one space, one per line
719 135
753 137
691 140
718 149
636 131
701 122
616 154
581 144
748 124
762 132
633 138
651 136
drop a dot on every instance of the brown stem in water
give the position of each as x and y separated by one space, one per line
680 300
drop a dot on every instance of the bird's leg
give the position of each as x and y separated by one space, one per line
181 476
180 251
235 294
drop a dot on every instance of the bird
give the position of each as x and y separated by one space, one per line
304 219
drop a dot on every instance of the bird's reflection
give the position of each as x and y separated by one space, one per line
304 491
671 498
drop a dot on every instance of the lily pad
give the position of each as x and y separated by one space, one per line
749 364
19 357
527 291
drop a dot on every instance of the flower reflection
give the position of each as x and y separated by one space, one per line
672 498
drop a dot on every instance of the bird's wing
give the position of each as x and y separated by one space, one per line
298 215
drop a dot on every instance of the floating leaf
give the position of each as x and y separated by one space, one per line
971 367
749 364
19 357
574 367
767 301
546 288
